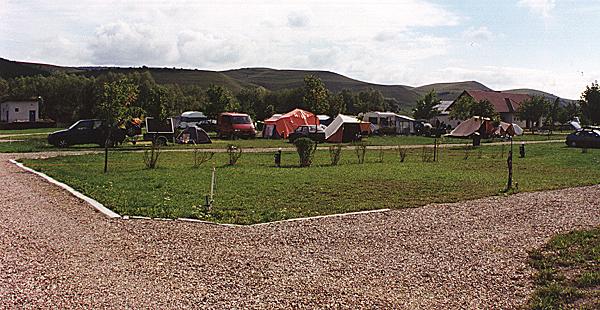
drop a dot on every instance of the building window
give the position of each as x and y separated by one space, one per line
16 109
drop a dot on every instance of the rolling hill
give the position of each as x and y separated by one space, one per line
450 91
279 79
271 79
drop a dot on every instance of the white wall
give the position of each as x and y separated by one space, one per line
18 111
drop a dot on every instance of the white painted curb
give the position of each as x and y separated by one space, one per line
110 214
321 217
95 204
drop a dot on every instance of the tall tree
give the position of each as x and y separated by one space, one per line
252 101
426 106
466 107
117 97
371 100
590 103
569 112
532 110
336 105
350 101
316 95
220 100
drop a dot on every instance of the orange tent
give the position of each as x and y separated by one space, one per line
285 124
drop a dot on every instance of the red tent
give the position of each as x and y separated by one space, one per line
285 124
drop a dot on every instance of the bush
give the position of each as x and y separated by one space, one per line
235 152
201 157
306 150
335 153
151 156
361 150
401 154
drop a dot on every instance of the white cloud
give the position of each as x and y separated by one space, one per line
297 20
478 35
126 44
540 7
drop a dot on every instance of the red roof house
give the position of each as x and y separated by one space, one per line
506 104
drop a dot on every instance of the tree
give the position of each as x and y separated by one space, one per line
568 112
3 88
532 110
590 103
117 97
466 107
426 106
252 100
350 101
316 95
220 100
336 105
371 100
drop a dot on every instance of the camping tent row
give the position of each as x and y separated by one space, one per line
485 128
281 125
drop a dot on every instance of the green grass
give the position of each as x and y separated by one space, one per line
28 131
37 143
254 191
568 272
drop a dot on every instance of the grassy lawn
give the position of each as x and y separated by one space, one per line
254 191
28 131
37 143
568 272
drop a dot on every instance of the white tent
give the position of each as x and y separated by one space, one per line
343 129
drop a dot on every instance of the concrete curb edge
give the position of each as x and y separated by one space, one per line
95 204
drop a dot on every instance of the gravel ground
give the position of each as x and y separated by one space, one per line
57 252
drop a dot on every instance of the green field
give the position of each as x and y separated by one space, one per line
254 191
568 272
37 143
27 131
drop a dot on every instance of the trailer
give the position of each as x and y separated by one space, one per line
159 131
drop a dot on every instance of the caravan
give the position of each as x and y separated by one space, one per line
390 123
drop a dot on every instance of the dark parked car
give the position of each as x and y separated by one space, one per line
313 132
584 138
87 131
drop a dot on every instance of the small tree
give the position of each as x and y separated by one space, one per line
425 108
306 149
117 97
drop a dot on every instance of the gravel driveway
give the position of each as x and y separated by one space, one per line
55 251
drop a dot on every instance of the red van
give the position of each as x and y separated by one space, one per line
235 125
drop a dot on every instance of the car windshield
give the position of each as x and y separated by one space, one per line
240 120
75 125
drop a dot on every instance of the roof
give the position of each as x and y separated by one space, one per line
193 114
443 106
502 102
234 114
390 114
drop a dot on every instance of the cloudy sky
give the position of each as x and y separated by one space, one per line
550 45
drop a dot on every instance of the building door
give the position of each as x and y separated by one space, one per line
32 116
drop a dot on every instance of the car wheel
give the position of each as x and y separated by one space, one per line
573 144
62 142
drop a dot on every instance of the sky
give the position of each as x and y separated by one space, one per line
550 45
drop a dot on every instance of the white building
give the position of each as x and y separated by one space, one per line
19 111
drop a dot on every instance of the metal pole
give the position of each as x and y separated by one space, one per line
212 184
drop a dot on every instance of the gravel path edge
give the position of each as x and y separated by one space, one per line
94 203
